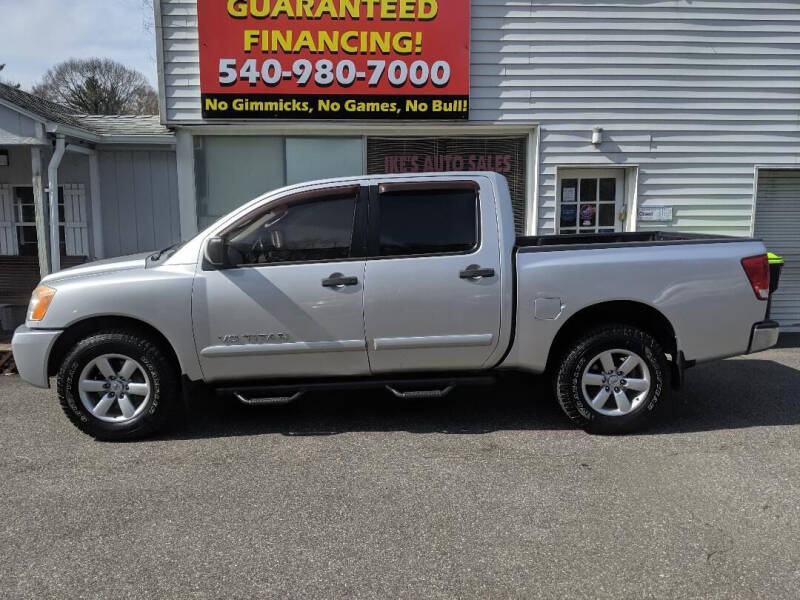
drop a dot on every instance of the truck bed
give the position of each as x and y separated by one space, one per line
575 241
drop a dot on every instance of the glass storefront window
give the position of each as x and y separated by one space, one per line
231 170
320 158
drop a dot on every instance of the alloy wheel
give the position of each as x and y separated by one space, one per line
615 382
114 388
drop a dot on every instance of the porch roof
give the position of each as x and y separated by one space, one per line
105 129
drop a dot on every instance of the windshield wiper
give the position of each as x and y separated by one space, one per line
160 253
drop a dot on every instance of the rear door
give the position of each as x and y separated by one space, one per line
432 279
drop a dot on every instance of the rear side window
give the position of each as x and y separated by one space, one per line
419 222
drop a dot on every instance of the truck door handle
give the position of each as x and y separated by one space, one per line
475 272
339 280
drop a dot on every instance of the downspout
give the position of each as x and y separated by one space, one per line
52 187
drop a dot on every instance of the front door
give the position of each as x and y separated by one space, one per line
591 201
432 277
293 304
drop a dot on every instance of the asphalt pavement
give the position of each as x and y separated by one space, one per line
488 493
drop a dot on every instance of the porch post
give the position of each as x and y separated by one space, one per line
97 216
39 208
184 153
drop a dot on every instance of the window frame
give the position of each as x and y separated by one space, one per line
373 226
357 239
623 200
19 222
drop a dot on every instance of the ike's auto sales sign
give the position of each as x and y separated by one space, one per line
327 59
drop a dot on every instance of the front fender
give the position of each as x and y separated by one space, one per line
159 297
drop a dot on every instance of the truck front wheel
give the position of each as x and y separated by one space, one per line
118 385
612 379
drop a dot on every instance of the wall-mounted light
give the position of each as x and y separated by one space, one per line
3 158
597 135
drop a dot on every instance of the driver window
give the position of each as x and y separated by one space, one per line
296 231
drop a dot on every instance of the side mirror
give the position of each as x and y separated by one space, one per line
216 252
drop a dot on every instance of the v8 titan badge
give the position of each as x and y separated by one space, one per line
323 59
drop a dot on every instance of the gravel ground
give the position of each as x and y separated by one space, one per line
487 493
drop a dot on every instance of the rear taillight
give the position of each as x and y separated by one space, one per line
757 270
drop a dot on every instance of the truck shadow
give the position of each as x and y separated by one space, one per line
730 394
733 394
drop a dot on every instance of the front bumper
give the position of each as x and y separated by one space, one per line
31 348
763 336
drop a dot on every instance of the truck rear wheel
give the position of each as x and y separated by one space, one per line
118 386
612 379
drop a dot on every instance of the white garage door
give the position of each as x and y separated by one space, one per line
778 224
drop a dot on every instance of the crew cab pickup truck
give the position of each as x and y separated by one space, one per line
416 283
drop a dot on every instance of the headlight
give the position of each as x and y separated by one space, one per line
40 302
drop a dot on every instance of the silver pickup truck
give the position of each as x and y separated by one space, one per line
415 283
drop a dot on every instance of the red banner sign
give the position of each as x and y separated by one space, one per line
322 59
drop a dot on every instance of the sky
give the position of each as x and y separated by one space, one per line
37 34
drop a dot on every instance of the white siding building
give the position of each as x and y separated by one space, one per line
694 106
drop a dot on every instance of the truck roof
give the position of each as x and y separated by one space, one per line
495 177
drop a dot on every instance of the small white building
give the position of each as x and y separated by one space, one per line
636 114
116 185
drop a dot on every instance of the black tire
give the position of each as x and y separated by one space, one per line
161 403
569 374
